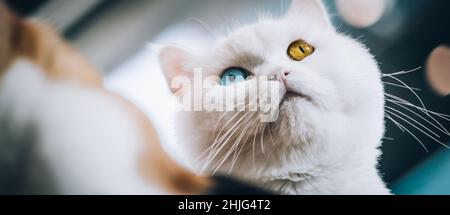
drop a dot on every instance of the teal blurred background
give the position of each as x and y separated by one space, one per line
430 177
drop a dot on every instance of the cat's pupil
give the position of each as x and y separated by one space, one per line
301 49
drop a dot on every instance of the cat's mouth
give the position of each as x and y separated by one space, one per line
292 95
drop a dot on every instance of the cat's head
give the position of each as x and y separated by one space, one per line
331 95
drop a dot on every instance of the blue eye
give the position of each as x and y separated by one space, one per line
233 75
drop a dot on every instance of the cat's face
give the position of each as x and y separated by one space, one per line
331 97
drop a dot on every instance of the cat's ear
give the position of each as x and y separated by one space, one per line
314 9
173 60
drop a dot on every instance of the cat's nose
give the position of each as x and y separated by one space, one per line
280 74
285 74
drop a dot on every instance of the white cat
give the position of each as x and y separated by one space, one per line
331 118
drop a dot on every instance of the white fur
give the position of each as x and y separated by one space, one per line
325 146
87 138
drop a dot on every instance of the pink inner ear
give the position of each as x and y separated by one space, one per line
172 61
438 70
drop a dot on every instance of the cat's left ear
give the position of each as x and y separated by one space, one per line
314 9
173 60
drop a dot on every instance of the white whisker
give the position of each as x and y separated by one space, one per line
411 90
395 122
262 139
405 129
401 101
229 134
218 138
401 72
421 117
425 111
418 123
389 138
254 144
428 135
401 86
243 141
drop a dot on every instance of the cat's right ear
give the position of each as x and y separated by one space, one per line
173 64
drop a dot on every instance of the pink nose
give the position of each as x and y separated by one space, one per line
284 74
280 74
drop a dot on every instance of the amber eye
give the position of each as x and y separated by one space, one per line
299 50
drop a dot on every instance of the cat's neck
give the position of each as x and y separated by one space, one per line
300 169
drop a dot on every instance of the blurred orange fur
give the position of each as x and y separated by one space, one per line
42 45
